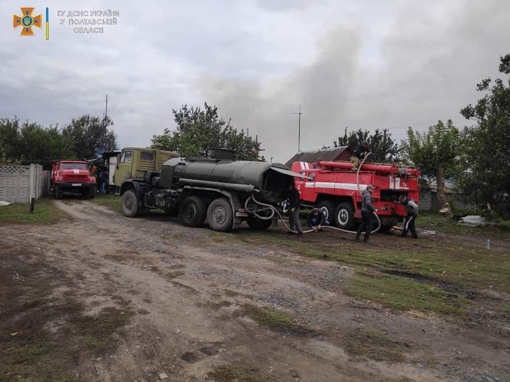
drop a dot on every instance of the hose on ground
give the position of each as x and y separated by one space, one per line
280 216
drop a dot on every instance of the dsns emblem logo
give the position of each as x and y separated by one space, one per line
27 21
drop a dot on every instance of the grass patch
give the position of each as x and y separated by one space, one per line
45 212
440 223
373 344
439 275
228 373
275 319
403 294
110 201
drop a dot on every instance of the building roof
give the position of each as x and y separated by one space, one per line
317 155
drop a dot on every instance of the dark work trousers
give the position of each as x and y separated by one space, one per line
409 226
366 224
294 222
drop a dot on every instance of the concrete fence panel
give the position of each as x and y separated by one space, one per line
21 183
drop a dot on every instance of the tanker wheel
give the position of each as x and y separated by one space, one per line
329 207
344 216
220 215
130 205
193 211
59 193
258 224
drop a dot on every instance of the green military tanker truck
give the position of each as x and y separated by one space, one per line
223 192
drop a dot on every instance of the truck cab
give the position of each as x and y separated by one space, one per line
134 162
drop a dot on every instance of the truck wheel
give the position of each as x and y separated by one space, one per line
258 224
330 207
193 211
89 193
220 215
386 224
129 204
344 216
59 193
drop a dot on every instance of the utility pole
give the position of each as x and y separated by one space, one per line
106 115
299 129
384 132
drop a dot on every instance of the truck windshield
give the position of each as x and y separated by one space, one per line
74 166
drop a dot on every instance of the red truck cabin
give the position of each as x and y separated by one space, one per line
334 186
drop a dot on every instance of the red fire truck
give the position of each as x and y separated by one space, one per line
334 186
73 176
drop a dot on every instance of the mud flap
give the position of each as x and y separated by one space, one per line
236 205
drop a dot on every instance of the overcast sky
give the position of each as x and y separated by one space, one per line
358 63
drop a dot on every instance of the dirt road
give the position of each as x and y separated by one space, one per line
183 304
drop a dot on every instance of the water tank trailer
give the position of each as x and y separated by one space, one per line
219 191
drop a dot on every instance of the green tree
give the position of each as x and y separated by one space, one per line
435 153
30 142
486 154
9 139
199 131
89 133
384 149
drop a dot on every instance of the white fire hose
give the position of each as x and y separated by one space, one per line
274 210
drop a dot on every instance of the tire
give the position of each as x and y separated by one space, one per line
330 207
130 204
344 216
91 193
193 211
59 193
172 212
258 224
386 224
220 215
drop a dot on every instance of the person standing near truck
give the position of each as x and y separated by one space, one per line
412 214
294 222
367 212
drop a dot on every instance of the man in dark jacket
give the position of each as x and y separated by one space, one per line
316 219
294 222
367 211
360 150
412 214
